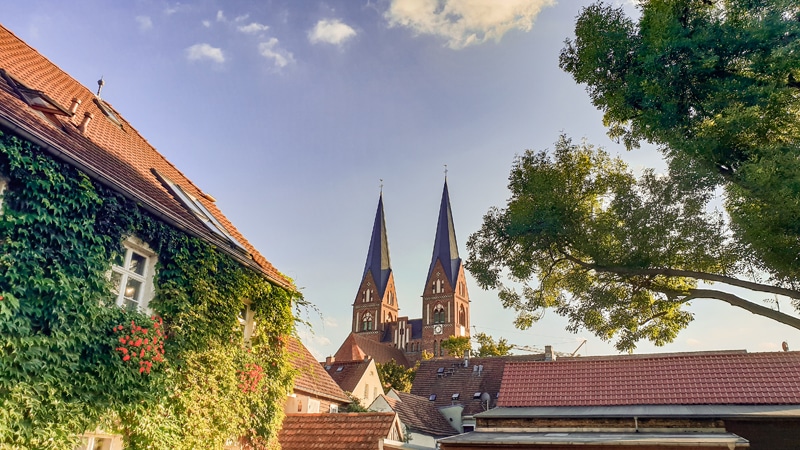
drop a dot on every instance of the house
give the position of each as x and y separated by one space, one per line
360 378
445 300
421 419
462 388
122 284
314 389
345 431
708 400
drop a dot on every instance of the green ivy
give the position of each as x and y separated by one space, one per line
60 371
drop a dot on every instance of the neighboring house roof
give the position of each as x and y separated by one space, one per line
350 431
357 347
454 378
421 415
312 379
110 150
703 378
347 374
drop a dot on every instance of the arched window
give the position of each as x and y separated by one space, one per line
435 347
462 315
366 322
441 351
438 313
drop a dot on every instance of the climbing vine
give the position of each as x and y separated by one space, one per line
71 362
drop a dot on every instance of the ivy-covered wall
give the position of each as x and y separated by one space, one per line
63 343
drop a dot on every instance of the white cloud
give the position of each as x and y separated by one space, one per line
253 28
145 23
207 23
241 18
465 22
271 50
200 52
330 322
220 16
330 31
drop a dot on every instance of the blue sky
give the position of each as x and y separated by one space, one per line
290 112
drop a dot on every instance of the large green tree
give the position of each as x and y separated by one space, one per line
616 254
714 84
396 376
487 346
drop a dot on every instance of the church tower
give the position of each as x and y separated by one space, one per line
445 301
375 304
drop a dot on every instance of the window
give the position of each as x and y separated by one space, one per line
132 275
455 396
366 322
313 405
200 211
246 321
462 315
3 186
438 314
476 396
366 392
37 100
98 442
108 112
432 397
367 295
333 409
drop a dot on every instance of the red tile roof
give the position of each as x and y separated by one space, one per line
464 381
312 379
707 378
421 415
352 431
347 374
357 347
115 155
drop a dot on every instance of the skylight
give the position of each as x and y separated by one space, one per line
455 396
107 111
476 395
339 369
432 397
200 211
36 99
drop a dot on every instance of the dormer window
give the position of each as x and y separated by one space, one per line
132 275
36 99
200 211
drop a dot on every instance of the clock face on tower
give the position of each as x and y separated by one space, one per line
437 329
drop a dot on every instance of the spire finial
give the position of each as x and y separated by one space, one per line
100 84
381 186
445 172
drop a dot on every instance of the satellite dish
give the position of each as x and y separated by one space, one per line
485 397
785 346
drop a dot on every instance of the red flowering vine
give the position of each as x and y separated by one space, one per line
142 345
250 377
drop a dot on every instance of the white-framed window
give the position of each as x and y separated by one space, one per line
333 409
132 275
313 406
98 441
246 320
3 186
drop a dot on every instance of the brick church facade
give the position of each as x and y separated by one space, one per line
445 300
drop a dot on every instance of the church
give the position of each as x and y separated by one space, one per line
378 331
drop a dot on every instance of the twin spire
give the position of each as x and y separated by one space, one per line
445 248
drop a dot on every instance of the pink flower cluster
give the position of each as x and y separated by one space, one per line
141 344
250 377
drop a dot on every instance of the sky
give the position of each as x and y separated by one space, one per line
294 113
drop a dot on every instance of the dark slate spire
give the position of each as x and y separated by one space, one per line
444 246
378 255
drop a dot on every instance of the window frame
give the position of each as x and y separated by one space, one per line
367 321
133 245
247 323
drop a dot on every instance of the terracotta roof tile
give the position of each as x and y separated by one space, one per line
347 374
464 381
707 378
357 347
352 431
115 155
421 415
312 378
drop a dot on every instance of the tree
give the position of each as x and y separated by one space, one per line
613 253
488 346
715 85
396 376
457 346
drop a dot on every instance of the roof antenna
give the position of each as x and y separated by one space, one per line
100 84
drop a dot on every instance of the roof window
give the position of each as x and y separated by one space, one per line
476 396
432 397
36 99
108 112
339 369
455 396
200 211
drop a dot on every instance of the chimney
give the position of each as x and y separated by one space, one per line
329 360
74 107
87 117
548 353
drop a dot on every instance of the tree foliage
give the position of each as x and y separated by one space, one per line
456 346
616 254
715 85
396 376
489 347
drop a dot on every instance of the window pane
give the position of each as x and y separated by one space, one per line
133 289
116 279
119 257
138 263
83 444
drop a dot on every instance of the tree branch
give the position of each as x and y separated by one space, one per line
739 302
791 293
